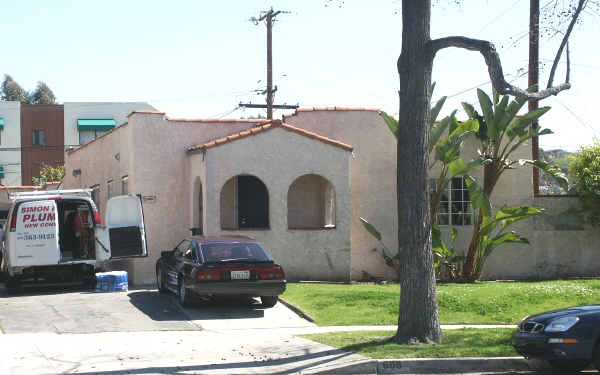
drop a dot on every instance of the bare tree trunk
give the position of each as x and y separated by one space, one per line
418 319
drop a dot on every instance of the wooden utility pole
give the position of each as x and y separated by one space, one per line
269 18
533 75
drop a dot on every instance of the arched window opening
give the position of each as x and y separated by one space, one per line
311 203
244 203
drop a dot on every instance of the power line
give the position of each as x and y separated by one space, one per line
579 119
499 16
518 75
226 113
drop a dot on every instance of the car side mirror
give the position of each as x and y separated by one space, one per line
166 254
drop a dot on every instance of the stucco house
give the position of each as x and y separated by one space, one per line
299 185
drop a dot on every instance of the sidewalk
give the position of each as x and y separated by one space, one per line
227 351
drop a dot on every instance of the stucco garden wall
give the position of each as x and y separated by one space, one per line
562 245
372 179
277 157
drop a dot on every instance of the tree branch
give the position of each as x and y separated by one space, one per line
492 59
563 43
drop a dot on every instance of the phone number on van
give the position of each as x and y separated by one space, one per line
41 236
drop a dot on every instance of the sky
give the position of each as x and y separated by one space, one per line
199 59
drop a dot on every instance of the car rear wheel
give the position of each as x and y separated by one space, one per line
268 301
160 281
571 365
184 294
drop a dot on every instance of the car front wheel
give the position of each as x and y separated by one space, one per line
184 294
596 356
570 365
160 280
268 301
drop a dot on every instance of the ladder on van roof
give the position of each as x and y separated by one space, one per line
43 193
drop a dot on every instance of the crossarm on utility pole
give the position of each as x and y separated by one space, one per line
492 59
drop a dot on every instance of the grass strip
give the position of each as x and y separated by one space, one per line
465 342
477 303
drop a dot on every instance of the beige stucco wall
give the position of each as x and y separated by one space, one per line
152 154
117 111
372 180
278 157
10 136
306 202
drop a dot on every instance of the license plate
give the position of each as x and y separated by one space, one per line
240 275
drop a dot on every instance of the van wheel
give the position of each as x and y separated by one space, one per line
13 285
90 281
268 301
160 281
184 295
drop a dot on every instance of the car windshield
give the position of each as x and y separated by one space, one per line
223 252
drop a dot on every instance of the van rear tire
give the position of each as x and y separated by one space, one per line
13 285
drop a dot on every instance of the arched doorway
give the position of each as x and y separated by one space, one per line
244 203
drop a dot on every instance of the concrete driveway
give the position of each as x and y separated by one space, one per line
145 332
84 311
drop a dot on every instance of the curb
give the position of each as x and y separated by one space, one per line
457 365
301 313
435 366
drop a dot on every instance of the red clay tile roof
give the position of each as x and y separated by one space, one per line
20 187
146 111
263 128
220 120
313 109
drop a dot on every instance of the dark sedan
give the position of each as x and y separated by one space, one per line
220 266
569 339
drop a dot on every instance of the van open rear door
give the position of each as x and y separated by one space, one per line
124 235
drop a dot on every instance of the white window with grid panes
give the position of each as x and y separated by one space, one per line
455 205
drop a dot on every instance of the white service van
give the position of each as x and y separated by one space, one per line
57 236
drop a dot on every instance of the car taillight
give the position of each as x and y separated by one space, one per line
13 223
271 273
204 275
97 218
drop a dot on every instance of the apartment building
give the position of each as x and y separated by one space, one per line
36 134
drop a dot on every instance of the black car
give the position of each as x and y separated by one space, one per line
220 266
569 339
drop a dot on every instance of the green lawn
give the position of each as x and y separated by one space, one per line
486 342
479 303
